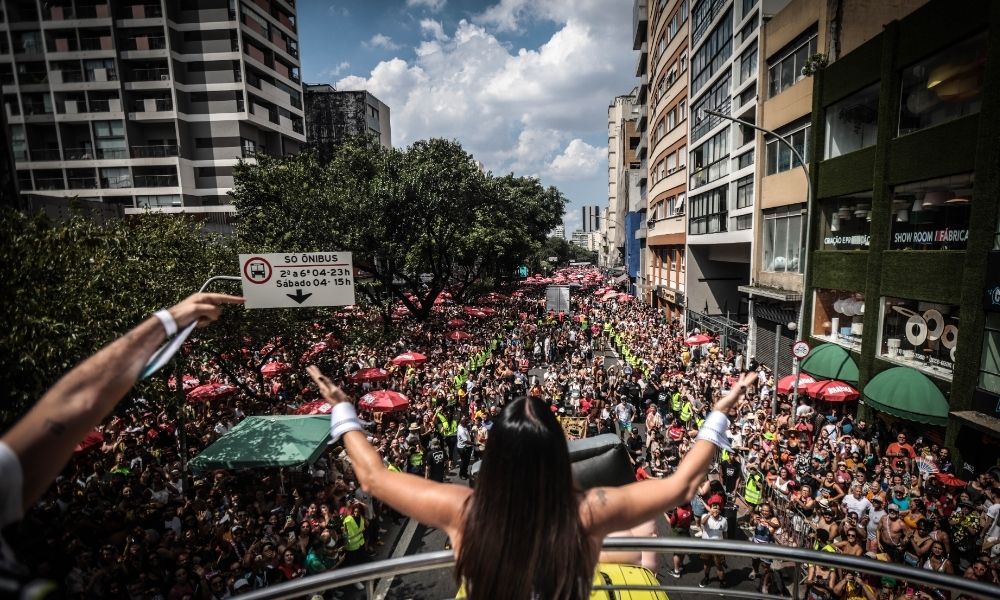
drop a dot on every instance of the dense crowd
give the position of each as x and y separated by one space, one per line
126 521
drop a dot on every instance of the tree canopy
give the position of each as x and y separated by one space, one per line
419 220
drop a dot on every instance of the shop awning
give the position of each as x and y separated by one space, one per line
772 293
271 441
908 394
983 422
830 361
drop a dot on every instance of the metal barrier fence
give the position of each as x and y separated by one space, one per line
732 334
432 561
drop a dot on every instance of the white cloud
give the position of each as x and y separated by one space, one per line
380 40
337 71
578 160
431 5
339 11
536 111
434 29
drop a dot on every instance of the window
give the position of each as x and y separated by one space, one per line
672 163
115 178
989 369
744 160
717 99
746 6
943 87
661 170
110 139
153 201
783 239
779 156
838 317
708 212
744 192
661 128
846 222
701 17
252 18
682 61
852 123
744 222
681 157
249 147
19 143
100 69
710 161
918 334
712 55
747 95
748 62
786 68
932 214
747 30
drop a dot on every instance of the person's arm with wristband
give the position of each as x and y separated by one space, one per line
436 504
615 508
44 439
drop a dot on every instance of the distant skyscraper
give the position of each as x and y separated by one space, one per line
558 231
591 218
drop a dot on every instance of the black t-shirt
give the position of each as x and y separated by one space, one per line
730 474
436 461
634 444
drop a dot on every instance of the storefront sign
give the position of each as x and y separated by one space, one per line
667 294
992 296
847 242
928 237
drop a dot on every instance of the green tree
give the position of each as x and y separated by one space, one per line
73 287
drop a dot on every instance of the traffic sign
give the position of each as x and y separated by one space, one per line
800 349
298 280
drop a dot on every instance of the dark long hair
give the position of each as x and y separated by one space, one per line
522 535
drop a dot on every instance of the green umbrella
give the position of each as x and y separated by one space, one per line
907 394
830 361
269 441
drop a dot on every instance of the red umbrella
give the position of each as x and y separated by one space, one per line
950 480
477 313
372 374
609 296
458 335
316 349
457 323
624 297
384 401
94 438
833 391
487 311
273 369
697 340
188 381
409 358
785 384
316 407
211 391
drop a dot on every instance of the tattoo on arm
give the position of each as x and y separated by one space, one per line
55 427
602 496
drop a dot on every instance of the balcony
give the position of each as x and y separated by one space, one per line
116 183
83 153
65 13
49 183
161 74
142 11
40 155
33 108
111 153
142 181
96 43
640 20
158 151
152 105
66 76
143 42
82 183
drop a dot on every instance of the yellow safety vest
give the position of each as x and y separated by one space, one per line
752 492
417 459
392 468
686 412
451 428
675 402
698 421
355 533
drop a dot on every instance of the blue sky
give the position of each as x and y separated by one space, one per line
524 85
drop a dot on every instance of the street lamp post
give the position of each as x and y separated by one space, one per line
805 250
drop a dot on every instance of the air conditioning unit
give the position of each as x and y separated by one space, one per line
165 77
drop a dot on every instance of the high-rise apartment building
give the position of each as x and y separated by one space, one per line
667 165
333 116
559 231
148 104
590 218
635 216
621 158
721 171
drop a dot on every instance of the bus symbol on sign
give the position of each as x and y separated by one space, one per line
257 270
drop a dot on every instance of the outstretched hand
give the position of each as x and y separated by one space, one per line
201 307
330 392
728 403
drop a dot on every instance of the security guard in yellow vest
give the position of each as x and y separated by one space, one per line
675 404
755 483
686 410
416 465
354 530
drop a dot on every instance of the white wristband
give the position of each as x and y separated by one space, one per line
343 418
714 430
168 322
